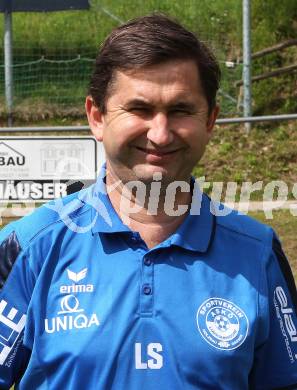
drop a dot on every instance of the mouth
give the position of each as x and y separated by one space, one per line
157 153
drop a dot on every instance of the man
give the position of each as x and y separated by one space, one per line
134 283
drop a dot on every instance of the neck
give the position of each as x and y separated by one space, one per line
148 206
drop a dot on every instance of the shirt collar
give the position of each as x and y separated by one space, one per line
197 230
195 233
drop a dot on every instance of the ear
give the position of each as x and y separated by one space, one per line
95 118
212 119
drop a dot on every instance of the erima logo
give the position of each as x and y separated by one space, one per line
74 287
287 312
11 325
77 277
285 316
70 317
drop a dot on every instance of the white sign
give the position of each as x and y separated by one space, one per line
43 168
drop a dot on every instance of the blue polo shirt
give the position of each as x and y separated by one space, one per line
85 304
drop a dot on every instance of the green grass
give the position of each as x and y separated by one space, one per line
65 35
285 224
85 29
59 36
267 154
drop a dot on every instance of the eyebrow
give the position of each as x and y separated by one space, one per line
138 102
179 104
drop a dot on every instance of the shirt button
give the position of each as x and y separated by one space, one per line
147 261
147 290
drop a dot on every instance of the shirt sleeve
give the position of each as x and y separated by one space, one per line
16 285
275 360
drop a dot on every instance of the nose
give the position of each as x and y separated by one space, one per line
159 131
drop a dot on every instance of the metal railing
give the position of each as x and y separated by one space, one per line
265 118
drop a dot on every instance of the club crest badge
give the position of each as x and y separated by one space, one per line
222 323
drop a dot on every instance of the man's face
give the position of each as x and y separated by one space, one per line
156 120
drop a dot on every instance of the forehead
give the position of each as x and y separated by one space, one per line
166 81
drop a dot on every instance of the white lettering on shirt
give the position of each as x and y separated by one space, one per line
153 352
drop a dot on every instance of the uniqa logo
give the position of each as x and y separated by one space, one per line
73 317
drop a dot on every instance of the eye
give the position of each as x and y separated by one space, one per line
180 111
140 110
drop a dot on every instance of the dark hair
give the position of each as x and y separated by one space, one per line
151 40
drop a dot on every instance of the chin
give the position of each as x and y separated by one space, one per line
147 174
